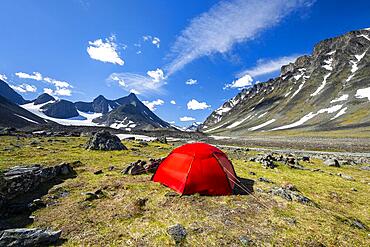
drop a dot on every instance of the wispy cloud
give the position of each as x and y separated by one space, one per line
152 105
24 88
186 119
173 102
34 76
245 81
154 40
150 84
228 23
196 105
191 82
105 50
268 66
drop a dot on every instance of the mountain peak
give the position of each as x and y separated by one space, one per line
43 98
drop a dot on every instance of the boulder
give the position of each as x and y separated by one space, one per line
28 237
104 140
332 162
161 139
177 232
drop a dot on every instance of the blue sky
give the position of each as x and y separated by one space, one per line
78 49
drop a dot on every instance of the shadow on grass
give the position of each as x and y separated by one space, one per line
243 186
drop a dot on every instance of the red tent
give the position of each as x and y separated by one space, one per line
197 168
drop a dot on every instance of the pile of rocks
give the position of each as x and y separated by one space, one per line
141 166
105 141
290 193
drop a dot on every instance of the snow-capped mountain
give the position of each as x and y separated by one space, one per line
193 127
127 113
327 90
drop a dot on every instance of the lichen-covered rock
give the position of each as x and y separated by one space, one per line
104 140
177 232
28 237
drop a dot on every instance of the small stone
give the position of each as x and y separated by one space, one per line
111 168
252 173
177 232
245 241
98 172
345 176
265 180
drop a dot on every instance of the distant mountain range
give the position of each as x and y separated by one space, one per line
127 113
328 90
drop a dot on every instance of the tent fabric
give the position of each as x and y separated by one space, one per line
197 168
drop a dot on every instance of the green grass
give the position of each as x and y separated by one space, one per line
118 220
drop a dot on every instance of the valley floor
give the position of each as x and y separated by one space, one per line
137 212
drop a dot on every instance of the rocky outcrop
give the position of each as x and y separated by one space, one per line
20 180
60 109
23 237
105 141
43 98
141 167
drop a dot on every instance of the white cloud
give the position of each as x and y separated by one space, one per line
24 88
48 91
173 102
138 83
153 104
157 75
187 119
242 82
267 66
105 51
3 77
57 83
63 92
154 40
34 76
191 82
226 24
195 105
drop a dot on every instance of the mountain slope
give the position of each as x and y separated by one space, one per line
131 113
13 115
7 92
327 90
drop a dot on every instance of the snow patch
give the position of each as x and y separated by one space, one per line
355 65
340 113
309 116
237 123
263 114
344 97
328 64
363 93
262 125
27 119
364 36
321 87
83 119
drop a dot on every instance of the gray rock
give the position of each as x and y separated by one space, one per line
345 176
332 162
20 180
177 232
104 140
265 180
245 241
28 237
291 195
